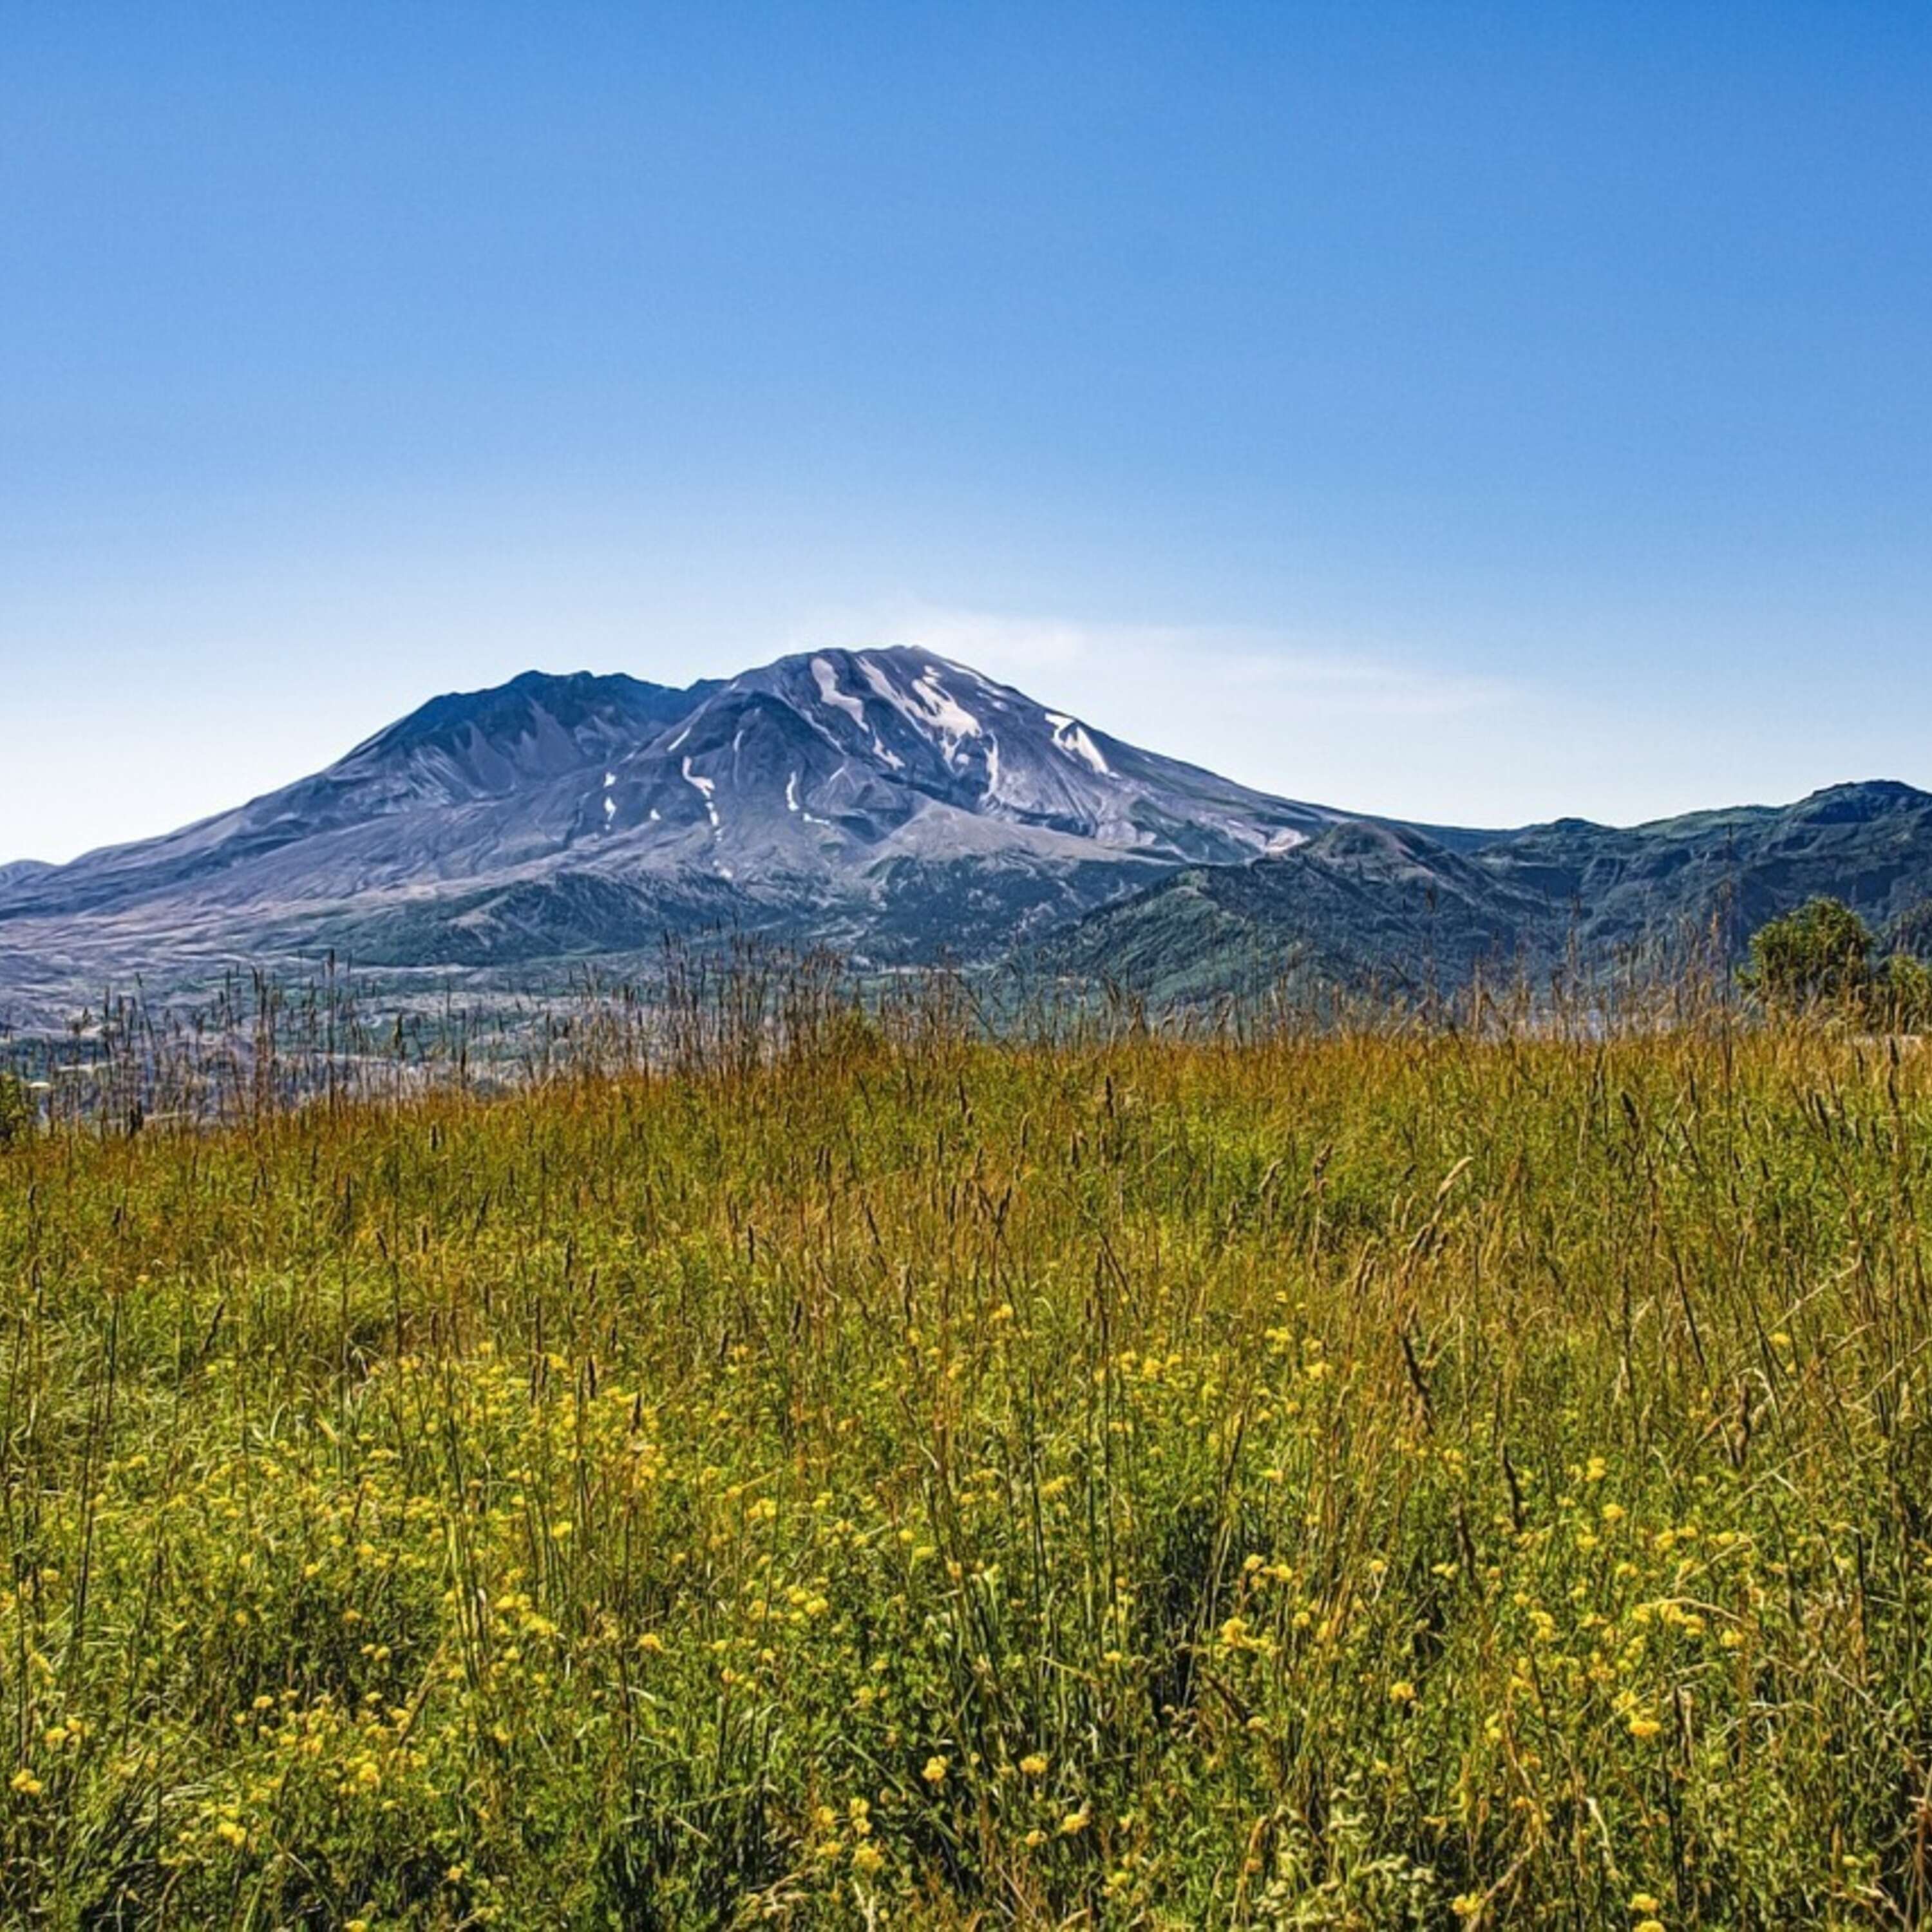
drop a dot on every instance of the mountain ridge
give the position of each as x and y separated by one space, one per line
901 807
1405 913
887 801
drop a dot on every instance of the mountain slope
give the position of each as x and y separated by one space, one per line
463 785
1367 904
899 807
885 801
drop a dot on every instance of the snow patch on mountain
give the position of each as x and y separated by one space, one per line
873 673
1070 736
704 787
830 693
946 713
926 705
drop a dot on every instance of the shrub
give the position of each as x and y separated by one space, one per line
1905 994
1821 954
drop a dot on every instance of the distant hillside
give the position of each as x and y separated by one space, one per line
1366 904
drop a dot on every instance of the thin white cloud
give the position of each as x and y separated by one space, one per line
1325 720
1367 725
1319 680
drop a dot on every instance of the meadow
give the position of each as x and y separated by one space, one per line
1377 1476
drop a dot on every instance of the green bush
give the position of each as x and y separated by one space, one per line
1905 994
1821 954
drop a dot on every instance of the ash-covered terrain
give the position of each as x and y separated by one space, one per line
885 802
901 809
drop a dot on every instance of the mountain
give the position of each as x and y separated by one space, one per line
1360 905
887 802
899 807
1364 905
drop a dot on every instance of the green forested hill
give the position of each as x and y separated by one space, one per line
1366 905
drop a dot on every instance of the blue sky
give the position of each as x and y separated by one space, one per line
1475 413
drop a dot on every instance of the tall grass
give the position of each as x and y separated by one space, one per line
850 1470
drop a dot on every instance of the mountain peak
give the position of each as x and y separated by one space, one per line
1858 801
466 745
880 798
523 707
895 804
868 739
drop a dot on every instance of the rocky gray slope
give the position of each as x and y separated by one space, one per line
899 807
886 802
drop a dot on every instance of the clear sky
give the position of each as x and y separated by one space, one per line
1476 412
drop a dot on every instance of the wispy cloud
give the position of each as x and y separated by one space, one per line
1337 720
1313 678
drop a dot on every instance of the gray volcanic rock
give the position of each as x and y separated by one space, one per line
464 785
885 801
843 757
899 807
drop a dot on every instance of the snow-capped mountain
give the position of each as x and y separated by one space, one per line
900 808
887 801
838 758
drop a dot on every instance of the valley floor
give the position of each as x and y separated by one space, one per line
1367 1481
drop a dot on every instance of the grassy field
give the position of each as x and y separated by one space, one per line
1381 1479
